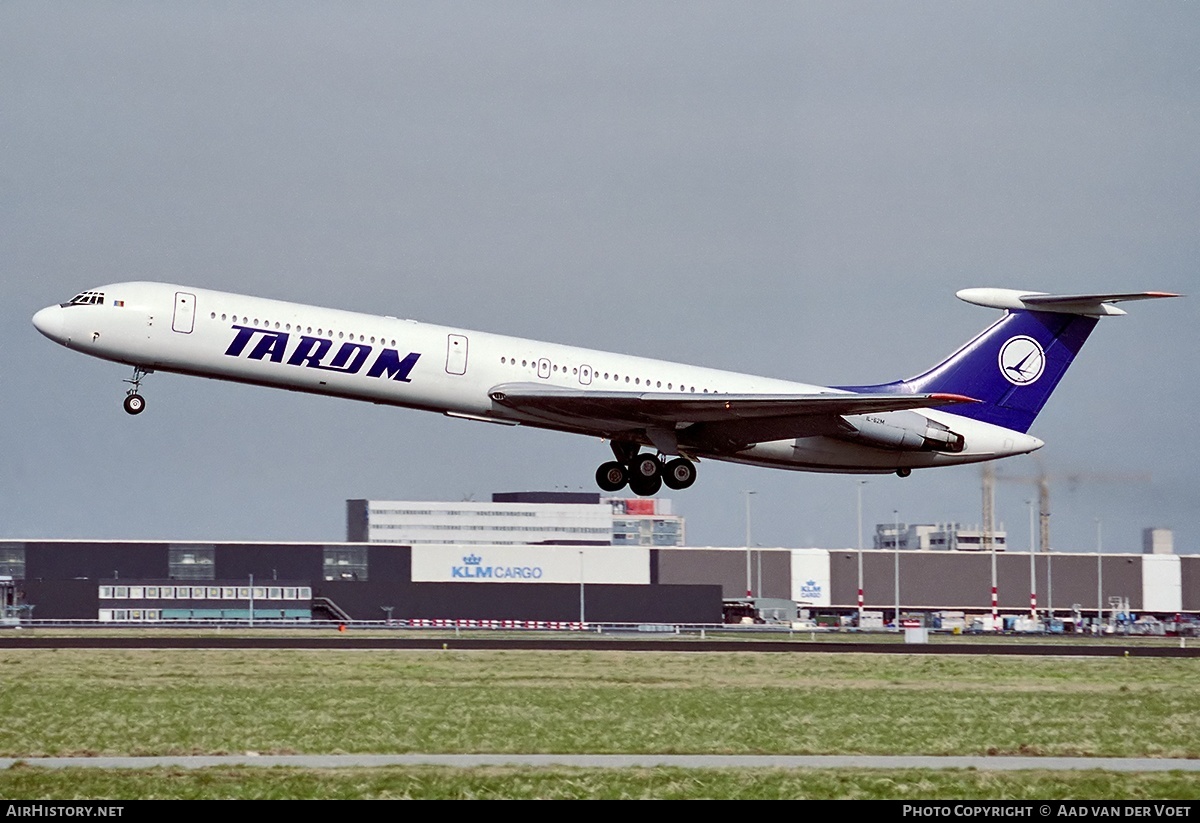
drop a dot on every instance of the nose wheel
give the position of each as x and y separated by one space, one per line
134 403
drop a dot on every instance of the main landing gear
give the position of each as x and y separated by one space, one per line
643 472
134 403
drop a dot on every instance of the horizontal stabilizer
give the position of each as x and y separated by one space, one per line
1092 305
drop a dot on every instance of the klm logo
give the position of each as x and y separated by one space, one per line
810 590
473 569
314 353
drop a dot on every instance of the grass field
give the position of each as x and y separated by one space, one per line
85 702
563 783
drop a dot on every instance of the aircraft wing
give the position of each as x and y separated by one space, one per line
755 417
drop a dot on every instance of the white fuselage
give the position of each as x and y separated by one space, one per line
171 328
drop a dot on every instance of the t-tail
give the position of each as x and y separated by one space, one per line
1013 366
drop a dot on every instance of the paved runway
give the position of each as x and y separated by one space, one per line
624 761
327 641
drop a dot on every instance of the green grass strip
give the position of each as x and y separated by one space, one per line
87 702
25 783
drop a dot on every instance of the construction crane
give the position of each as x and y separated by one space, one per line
1042 481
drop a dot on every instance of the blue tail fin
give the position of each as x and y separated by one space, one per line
1012 367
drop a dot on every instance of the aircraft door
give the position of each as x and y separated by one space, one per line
543 368
184 319
585 375
456 354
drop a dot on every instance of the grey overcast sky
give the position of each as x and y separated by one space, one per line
794 189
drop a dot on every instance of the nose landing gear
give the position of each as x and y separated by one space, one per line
134 403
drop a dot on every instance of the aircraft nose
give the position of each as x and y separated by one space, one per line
50 323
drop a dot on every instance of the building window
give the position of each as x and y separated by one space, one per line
192 562
12 560
345 562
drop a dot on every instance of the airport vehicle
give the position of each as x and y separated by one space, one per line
976 405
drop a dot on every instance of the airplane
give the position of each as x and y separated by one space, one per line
976 405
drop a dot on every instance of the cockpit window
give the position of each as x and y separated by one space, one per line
87 298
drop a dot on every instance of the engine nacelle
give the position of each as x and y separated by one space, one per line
903 431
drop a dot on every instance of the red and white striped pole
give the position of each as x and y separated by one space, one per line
1033 605
995 611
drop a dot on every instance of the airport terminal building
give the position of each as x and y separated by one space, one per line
124 581
569 558
516 519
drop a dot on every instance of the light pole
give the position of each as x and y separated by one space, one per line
896 564
995 606
749 592
1049 583
581 613
1032 568
860 484
1099 575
